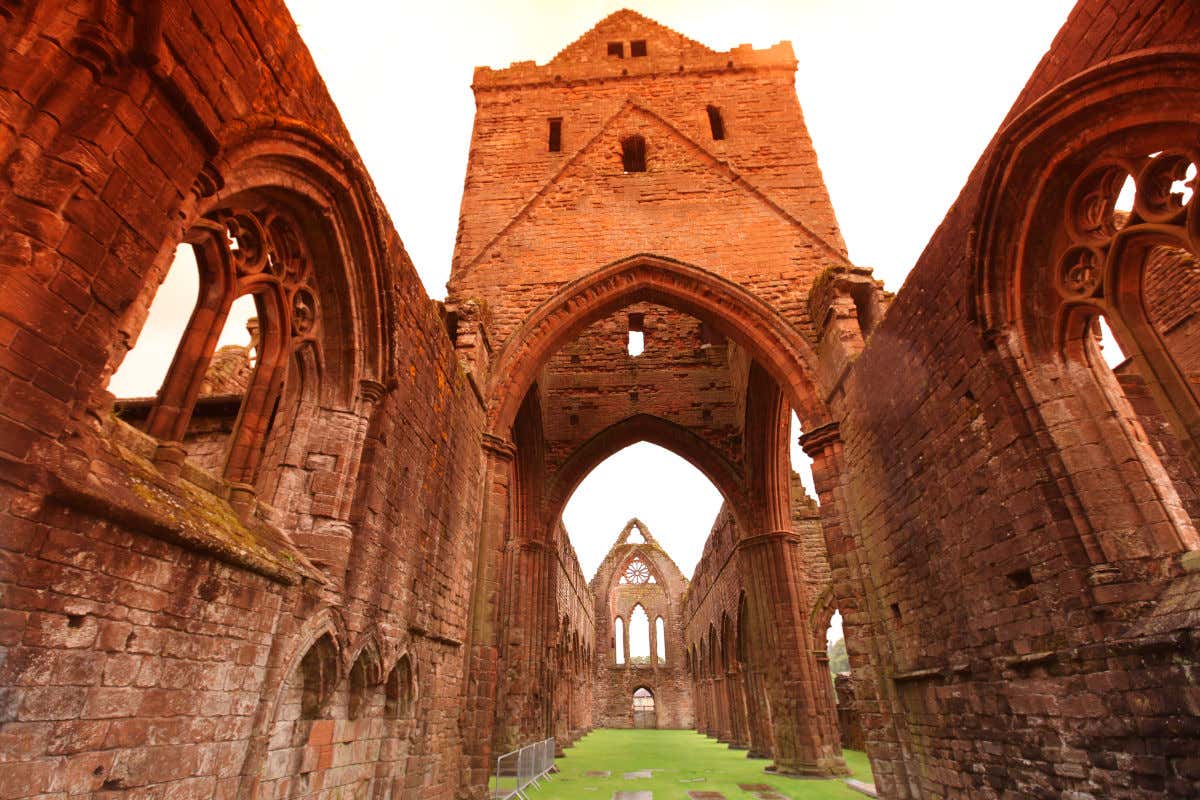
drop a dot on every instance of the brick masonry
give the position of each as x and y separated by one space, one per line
360 585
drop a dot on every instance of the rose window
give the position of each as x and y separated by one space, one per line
637 573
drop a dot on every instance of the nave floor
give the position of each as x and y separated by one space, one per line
679 765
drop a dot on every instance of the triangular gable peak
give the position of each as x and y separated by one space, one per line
604 148
635 532
624 28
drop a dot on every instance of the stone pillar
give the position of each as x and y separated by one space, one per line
653 643
625 641
527 705
881 713
828 700
762 744
804 745
724 725
740 738
482 651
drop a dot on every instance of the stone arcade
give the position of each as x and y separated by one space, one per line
333 564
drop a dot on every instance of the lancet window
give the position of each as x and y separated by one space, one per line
242 252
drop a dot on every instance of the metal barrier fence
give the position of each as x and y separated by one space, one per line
519 770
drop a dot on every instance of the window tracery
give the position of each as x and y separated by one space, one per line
242 252
1111 259
636 573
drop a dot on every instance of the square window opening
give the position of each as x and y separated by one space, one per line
633 154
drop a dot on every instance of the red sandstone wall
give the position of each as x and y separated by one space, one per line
947 484
751 207
667 680
153 633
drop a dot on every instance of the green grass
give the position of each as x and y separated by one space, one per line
675 757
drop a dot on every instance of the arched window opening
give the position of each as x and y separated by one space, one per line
835 646
318 676
802 464
1126 251
633 153
715 124
141 372
1133 398
643 700
619 639
630 483
639 636
635 536
398 690
660 640
359 680
256 304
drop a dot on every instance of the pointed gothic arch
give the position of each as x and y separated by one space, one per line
1051 259
645 428
731 309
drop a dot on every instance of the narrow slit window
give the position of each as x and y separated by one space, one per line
616 49
635 345
637 48
660 637
619 639
633 153
716 123
555 142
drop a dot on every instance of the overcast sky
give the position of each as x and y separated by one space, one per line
900 98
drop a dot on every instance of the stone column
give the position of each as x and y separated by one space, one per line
714 722
886 735
724 723
774 563
625 641
526 687
737 705
481 670
761 739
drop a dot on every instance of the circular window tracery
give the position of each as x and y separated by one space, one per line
637 573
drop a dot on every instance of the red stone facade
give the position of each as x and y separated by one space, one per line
640 574
360 584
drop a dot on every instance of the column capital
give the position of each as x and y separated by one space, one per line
503 448
371 391
815 441
786 536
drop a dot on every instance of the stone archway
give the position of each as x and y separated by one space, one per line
645 710
778 375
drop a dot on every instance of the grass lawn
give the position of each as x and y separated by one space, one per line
676 757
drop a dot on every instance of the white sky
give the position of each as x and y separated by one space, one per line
900 96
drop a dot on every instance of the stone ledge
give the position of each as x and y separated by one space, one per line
864 788
119 485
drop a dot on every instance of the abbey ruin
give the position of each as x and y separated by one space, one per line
332 563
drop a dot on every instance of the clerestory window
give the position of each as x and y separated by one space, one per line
633 153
